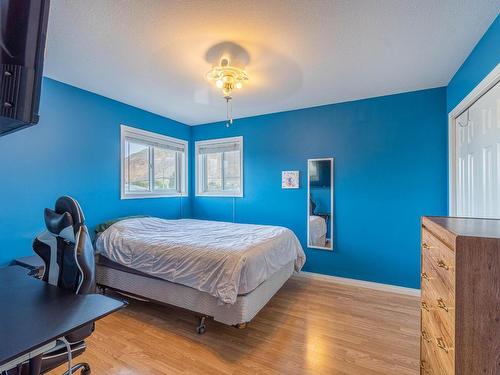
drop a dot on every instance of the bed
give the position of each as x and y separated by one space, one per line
317 230
227 271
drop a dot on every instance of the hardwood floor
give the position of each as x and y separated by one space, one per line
310 327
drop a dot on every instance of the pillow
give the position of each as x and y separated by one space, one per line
103 226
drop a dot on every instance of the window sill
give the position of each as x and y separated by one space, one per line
146 196
220 195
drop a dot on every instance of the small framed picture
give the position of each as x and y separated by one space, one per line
290 179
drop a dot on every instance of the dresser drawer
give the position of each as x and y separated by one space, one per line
435 361
439 324
436 302
426 360
439 282
437 353
442 263
438 264
440 321
432 246
427 357
438 289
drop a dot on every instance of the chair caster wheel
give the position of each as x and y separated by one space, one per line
80 368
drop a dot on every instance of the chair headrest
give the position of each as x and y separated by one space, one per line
67 218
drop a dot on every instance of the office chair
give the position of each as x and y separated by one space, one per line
68 254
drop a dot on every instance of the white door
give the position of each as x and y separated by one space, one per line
478 157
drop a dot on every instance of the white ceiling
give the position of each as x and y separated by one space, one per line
152 53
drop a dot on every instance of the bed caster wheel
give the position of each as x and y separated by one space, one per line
201 328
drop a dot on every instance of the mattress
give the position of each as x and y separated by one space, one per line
317 230
103 261
219 258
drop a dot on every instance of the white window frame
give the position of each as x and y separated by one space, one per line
199 179
160 139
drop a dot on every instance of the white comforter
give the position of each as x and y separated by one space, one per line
222 259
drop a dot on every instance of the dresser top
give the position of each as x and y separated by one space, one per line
470 227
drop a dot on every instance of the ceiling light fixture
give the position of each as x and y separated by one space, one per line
227 78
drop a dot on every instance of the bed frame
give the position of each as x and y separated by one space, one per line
154 289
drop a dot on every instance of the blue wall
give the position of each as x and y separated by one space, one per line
482 60
385 148
390 169
321 196
75 149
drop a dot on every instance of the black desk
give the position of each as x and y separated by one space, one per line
34 313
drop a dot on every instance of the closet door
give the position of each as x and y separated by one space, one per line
478 157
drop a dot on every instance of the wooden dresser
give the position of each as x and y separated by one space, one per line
460 312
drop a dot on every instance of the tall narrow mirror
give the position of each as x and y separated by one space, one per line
320 203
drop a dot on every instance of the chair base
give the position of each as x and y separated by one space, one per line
53 359
83 366
56 358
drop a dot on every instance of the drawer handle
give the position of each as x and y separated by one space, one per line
442 305
442 264
422 364
425 276
425 336
425 306
441 344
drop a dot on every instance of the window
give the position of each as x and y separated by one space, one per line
152 165
219 167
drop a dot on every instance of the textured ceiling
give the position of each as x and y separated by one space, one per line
153 53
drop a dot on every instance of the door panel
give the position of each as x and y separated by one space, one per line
478 157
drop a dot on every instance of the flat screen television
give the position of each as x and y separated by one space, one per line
23 30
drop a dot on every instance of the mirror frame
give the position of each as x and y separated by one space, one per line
331 203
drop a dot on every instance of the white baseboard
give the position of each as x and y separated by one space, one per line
362 283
